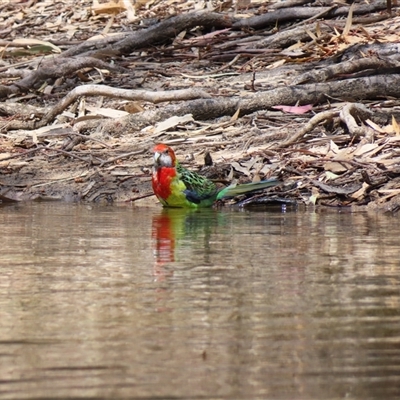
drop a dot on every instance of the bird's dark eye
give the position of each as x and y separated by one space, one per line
166 151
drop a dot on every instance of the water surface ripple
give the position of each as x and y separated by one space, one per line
118 302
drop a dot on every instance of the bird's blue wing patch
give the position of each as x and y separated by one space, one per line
192 196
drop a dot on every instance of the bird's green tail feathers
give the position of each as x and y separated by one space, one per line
236 190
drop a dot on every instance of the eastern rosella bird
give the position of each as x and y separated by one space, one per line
175 186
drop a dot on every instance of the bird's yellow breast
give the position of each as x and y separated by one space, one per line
177 198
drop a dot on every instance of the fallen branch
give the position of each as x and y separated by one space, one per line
314 121
100 90
348 115
375 87
54 69
155 34
367 66
143 196
295 13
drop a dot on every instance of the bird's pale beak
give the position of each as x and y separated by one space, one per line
157 158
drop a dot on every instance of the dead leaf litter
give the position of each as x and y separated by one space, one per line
243 91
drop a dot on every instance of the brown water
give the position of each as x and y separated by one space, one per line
118 302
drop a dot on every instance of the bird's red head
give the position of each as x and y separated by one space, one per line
164 156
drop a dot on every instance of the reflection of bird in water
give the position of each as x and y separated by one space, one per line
175 186
164 238
175 230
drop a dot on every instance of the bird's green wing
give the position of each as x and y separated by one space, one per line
198 188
